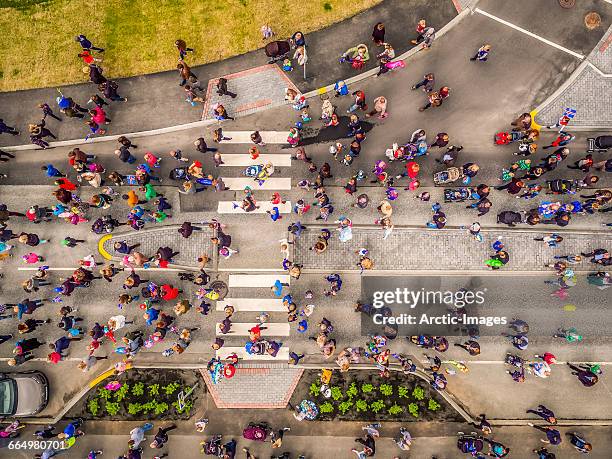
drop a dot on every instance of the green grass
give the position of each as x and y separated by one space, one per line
38 47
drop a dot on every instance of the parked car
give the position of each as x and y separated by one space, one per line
23 393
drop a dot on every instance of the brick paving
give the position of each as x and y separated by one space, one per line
438 250
256 89
587 93
151 239
267 385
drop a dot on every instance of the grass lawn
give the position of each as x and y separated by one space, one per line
38 47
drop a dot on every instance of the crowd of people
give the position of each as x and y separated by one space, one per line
143 206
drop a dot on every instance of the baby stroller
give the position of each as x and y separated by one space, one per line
460 194
277 51
179 173
213 447
470 444
561 186
504 138
599 144
450 175
256 432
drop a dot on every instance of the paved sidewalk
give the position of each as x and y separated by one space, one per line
267 385
585 91
167 236
157 101
440 250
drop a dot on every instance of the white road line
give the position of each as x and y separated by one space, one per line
227 207
252 304
256 280
268 329
531 34
240 183
283 353
243 160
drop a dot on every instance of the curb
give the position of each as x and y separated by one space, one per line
203 123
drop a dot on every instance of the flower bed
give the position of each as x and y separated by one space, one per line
143 395
365 396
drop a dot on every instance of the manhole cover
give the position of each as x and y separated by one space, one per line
592 20
567 3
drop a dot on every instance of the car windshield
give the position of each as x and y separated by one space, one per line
7 397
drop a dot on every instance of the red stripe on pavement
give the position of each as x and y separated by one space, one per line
251 105
605 44
457 6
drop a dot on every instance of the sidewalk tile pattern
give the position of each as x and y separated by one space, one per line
437 250
256 89
585 94
168 236
255 386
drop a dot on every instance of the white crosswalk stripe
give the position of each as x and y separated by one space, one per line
244 315
276 137
267 330
244 160
273 183
252 304
233 207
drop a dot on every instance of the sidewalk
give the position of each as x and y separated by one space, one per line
441 250
156 100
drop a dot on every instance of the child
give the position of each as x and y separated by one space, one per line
341 88
482 53
287 65
254 152
151 159
305 115
32 258
266 32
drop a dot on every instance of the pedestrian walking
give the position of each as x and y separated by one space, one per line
181 45
87 44
482 54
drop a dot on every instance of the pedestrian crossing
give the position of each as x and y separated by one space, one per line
233 168
245 311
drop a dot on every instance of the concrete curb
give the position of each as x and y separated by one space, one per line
203 123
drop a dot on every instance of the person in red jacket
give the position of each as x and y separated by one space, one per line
66 184
169 293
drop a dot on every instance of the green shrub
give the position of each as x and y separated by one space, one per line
104 394
327 6
386 389
161 408
345 406
432 405
171 388
365 388
402 391
149 406
153 390
336 393
93 406
352 391
418 393
122 392
395 409
138 389
314 389
134 408
377 405
186 407
326 408
413 409
112 408
361 405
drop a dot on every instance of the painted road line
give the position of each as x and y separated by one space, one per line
252 304
283 353
268 329
276 137
240 183
243 160
229 207
531 34
256 280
